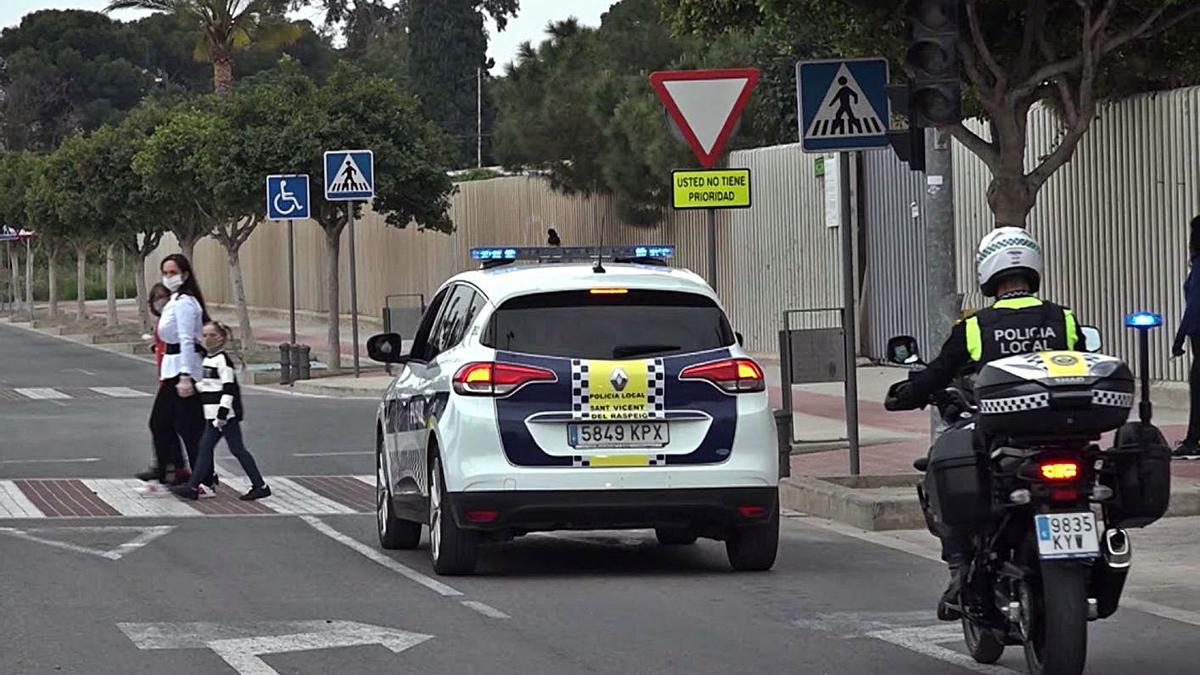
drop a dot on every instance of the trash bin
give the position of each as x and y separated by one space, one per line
783 434
285 364
305 362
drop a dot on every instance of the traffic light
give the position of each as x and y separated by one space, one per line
932 62
909 143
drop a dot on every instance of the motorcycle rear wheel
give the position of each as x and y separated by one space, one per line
982 643
1056 642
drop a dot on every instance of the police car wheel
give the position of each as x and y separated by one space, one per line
675 536
454 550
753 548
394 533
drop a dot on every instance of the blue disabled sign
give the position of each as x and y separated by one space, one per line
287 197
349 175
843 104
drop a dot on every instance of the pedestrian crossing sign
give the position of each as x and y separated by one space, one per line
349 175
843 104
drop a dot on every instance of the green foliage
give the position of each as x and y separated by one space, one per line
19 171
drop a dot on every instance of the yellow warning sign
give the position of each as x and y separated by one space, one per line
711 189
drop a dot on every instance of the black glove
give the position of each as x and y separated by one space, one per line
899 397
1177 349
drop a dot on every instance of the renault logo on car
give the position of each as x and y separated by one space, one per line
619 379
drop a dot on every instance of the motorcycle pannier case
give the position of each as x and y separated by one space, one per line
956 484
1054 394
1138 469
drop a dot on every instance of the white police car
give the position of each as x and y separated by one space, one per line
594 389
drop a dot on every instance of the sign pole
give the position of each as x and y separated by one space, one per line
712 248
848 313
291 283
353 291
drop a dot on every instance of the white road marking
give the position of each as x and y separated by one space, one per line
120 392
333 454
291 498
243 653
369 480
81 370
14 503
485 609
77 460
144 536
1161 611
375 556
925 640
42 394
124 495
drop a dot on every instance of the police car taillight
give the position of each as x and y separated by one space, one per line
736 376
489 378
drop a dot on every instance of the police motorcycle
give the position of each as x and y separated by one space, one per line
1020 467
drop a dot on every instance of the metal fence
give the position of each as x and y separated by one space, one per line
1113 221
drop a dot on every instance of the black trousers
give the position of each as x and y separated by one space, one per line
1193 432
173 419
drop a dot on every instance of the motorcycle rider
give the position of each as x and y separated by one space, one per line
1009 269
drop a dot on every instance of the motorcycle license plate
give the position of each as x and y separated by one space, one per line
1067 535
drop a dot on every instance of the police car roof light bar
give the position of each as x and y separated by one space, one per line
492 256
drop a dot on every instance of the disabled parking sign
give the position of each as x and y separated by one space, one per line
287 197
843 104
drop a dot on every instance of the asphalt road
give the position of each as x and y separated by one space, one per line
312 592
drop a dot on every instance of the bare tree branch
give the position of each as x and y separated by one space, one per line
1035 31
984 150
988 94
1070 110
981 45
1149 27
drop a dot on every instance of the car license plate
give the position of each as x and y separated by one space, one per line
618 435
1067 535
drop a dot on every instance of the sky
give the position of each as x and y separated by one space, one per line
529 25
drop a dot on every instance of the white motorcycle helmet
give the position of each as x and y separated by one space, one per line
1005 252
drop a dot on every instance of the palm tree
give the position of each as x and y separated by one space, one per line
226 25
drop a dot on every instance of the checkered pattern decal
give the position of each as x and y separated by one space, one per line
1000 406
656 394
1001 244
582 461
1112 399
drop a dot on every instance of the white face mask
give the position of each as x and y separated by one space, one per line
173 283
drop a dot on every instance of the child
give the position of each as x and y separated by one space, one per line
158 295
223 412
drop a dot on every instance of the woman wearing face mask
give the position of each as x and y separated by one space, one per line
178 413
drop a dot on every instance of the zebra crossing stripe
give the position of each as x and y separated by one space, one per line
122 494
120 392
14 503
291 498
42 394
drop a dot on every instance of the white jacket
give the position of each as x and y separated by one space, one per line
181 324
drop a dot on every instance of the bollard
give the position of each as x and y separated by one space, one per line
285 371
294 357
305 362
783 433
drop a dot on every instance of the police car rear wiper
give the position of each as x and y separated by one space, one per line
630 351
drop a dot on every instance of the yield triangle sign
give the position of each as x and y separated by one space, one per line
111 542
705 105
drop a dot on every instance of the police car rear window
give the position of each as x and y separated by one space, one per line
614 324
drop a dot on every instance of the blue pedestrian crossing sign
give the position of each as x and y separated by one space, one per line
349 175
287 197
843 104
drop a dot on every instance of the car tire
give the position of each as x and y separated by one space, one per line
454 550
675 536
394 533
753 548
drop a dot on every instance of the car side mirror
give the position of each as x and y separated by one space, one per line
903 350
386 348
741 339
1091 339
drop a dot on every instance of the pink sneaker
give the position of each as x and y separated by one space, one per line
206 492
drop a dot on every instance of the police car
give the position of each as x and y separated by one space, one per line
575 388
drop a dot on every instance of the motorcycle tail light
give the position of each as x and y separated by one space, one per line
1060 471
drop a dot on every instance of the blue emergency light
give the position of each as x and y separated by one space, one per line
1144 320
506 254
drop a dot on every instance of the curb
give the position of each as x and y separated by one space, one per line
314 387
859 502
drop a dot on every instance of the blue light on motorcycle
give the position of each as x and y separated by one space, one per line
1144 320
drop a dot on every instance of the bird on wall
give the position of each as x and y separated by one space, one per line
552 238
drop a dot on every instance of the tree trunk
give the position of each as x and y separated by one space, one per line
1011 198
139 282
15 263
188 247
239 298
222 64
110 285
333 245
81 282
52 281
29 278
